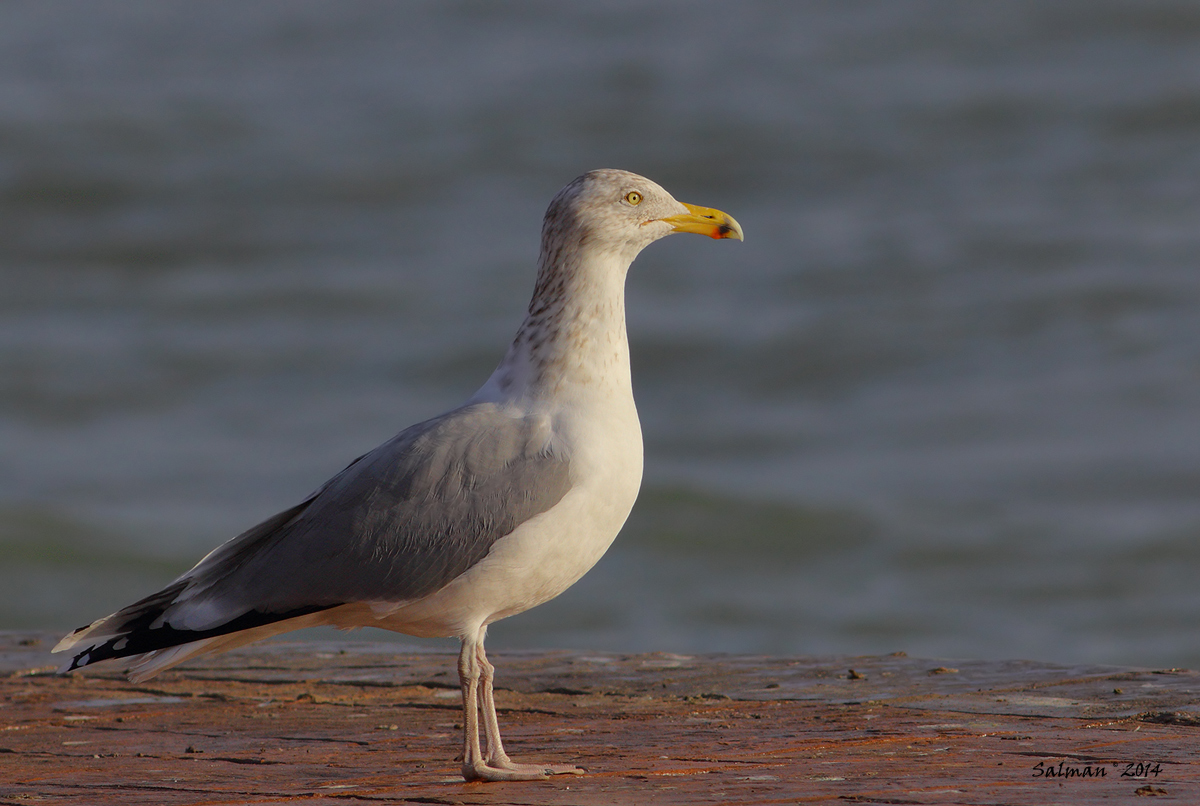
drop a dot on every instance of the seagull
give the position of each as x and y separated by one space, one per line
464 519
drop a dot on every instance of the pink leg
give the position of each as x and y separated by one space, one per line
476 674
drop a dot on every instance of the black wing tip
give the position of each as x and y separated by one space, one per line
139 639
77 662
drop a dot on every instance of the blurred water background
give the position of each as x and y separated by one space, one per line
943 399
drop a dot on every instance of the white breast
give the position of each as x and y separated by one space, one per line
550 552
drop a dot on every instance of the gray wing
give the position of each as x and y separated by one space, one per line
397 524
400 522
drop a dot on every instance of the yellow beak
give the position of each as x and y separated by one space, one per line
705 221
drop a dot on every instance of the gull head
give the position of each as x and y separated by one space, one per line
621 213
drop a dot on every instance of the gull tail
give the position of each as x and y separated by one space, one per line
140 634
188 617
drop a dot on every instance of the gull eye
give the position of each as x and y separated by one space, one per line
633 197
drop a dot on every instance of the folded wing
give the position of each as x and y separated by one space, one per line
398 524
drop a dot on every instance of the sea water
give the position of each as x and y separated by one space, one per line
944 398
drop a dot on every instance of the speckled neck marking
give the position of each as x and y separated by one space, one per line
574 330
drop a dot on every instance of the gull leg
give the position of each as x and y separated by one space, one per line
468 677
475 674
495 748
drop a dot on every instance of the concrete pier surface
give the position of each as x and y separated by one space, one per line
359 722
